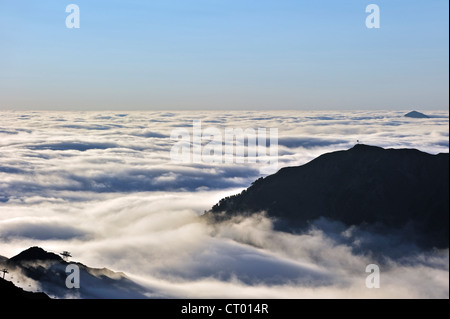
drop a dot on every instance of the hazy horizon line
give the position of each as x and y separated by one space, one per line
224 110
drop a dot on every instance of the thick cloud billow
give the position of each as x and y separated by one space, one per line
103 186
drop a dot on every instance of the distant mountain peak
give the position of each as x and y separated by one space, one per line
417 115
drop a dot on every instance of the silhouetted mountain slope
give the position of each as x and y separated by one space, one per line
49 270
34 254
363 185
9 291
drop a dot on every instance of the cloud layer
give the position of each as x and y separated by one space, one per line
102 186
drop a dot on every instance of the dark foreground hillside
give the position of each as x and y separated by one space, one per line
9 291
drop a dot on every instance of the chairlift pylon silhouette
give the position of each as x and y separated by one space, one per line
65 255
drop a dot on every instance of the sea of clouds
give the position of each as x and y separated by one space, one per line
103 186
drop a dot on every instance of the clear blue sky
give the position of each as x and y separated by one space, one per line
224 54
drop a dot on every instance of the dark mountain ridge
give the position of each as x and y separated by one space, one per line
364 185
34 254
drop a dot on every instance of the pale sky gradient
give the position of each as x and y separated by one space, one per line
224 54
